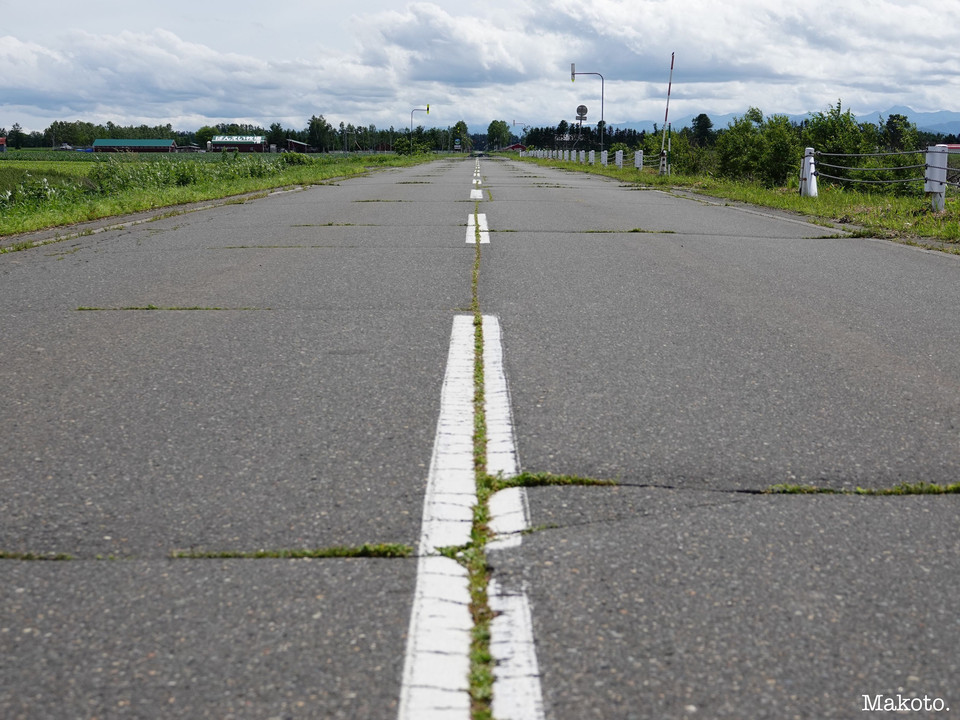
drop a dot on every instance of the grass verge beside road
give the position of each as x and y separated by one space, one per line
40 194
905 218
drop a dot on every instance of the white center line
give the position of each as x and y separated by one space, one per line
472 223
476 193
437 664
517 694
516 689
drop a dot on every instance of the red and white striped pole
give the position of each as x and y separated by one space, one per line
666 114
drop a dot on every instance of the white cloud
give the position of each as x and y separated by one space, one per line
478 61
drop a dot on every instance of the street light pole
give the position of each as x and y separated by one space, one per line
573 77
426 109
526 127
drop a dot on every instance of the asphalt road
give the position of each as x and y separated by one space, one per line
294 407
695 352
699 353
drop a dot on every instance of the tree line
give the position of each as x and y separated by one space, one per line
319 135
584 137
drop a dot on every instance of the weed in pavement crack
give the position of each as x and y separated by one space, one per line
474 556
921 488
383 550
5 555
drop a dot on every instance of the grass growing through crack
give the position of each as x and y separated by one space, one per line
474 557
526 479
363 551
921 488
6 555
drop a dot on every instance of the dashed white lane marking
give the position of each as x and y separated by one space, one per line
476 193
516 689
501 447
437 663
472 222
508 508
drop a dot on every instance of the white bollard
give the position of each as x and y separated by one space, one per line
638 159
935 176
808 174
618 159
603 158
593 157
583 156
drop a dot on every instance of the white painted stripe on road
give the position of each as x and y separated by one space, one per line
516 689
437 663
508 508
472 229
476 194
501 446
517 694
508 518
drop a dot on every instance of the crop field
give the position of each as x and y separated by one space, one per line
13 174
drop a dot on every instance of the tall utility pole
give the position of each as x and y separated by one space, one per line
573 78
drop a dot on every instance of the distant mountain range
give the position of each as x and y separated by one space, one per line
942 121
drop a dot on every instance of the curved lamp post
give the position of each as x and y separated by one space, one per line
573 77
426 109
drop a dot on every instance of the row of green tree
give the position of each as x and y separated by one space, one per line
319 135
582 137
762 148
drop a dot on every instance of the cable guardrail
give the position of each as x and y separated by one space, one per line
937 173
872 181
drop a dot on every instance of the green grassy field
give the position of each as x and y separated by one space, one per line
38 192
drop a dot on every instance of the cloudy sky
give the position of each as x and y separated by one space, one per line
372 61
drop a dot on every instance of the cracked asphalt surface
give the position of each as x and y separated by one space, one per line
694 352
703 357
